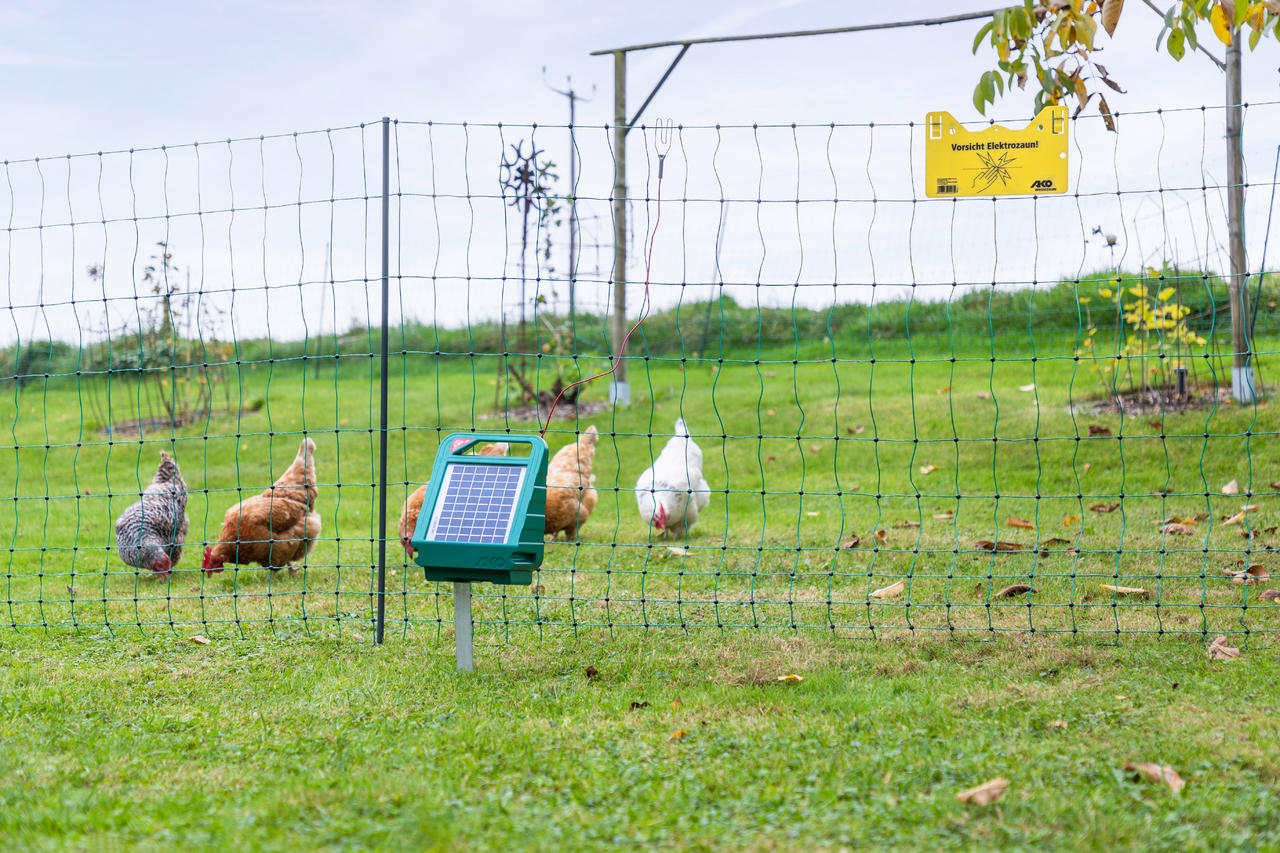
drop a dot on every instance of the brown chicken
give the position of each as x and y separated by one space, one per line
570 497
275 528
413 506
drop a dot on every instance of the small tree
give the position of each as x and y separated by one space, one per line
1054 42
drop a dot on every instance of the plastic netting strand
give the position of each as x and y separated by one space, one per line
970 415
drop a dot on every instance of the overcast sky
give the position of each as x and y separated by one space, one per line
80 77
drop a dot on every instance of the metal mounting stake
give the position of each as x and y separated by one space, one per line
464 642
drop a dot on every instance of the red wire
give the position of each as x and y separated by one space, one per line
648 263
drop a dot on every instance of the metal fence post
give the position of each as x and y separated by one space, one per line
383 380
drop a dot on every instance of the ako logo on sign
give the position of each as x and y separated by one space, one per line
996 160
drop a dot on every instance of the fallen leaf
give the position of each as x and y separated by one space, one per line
944 390
859 428
1173 519
1232 488
928 469
678 734
813 513
1239 516
1270 595
676 703
1094 429
850 543
1029 387
1059 724
889 591
1020 523
1219 650
986 793
815 448
1254 574
944 516
1057 540
201 640
1162 773
591 672
772 412
1087 466
791 678
636 706
1105 507
907 523
1014 589
539 589
984 395
1201 516
882 537
988 545
1178 528
678 551
1068 520
772 459
1156 424
770 373
1275 484
1123 590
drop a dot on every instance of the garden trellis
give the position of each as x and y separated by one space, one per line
970 415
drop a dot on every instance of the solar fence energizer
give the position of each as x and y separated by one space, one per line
482 520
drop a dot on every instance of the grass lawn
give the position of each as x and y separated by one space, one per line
285 742
833 479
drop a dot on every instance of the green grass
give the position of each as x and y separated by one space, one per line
290 743
292 731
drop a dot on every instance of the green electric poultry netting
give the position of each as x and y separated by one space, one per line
970 415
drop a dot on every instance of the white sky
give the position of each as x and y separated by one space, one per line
81 77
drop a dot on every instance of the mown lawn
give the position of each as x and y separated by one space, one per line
680 741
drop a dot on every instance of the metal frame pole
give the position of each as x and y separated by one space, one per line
463 637
380 625
573 214
1242 384
620 390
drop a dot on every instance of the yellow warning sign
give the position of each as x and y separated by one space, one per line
996 160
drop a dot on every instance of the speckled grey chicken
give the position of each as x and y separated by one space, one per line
151 532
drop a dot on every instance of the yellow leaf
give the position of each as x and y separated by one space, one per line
678 734
1105 293
1069 520
1020 523
678 551
1166 293
889 591
928 469
200 640
791 678
986 793
1221 26
1123 590
1157 772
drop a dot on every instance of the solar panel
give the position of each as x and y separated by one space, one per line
477 503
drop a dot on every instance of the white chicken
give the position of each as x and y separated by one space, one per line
673 491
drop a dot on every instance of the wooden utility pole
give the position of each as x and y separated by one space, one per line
1242 385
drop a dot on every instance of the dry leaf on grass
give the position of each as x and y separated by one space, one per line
1059 724
815 448
1232 488
678 734
928 469
1161 773
1123 590
1269 595
1020 523
678 551
850 543
944 390
1240 516
1156 424
676 703
946 515
1253 574
772 412
1219 650
889 591
882 537
1174 519
988 545
791 678
1275 484
1178 528
1068 520
907 523
1014 589
1087 466
200 640
984 395
1057 540
859 428
636 706
986 793
1028 387
813 513
1105 507
1094 429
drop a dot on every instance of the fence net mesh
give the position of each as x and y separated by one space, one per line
974 415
